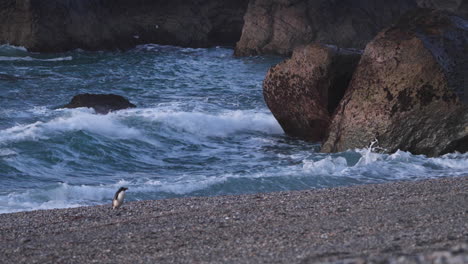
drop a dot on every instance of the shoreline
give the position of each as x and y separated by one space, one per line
364 223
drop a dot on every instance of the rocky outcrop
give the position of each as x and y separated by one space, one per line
101 103
459 7
277 27
303 92
60 25
409 90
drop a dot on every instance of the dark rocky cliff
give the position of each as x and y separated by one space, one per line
278 26
59 25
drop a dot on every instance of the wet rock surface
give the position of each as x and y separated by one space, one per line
101 103
303 92
409 91
363 222
61 25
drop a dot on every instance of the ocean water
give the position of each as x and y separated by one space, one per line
201 129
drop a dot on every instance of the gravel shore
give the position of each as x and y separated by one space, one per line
404 222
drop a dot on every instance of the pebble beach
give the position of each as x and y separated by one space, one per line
403 222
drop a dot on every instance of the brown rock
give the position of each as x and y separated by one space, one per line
61 25
277 27
302 92
409 90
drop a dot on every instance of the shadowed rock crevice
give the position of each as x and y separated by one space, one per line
303 92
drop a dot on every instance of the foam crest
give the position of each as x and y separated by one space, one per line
400 165
369 155
4 152
8 47
185 185
60 196
452 161
28 58
74 120
106 125
327 166
22 132
64 195
207 124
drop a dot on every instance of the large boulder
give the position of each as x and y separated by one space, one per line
410 89
278 26
101 103
303 92
61 25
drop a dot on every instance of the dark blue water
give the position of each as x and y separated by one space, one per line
201 128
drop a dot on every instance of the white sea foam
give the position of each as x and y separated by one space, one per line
61 196
28 58
326 166
12 47
5 152
208 124
452 161
73 120
67 196
114 124
397 166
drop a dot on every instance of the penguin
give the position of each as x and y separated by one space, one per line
119 198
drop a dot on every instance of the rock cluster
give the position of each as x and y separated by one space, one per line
303 92
408 92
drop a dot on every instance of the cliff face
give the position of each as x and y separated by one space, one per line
278 26
271 26
59 25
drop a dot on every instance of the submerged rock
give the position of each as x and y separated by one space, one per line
61 25
409 90
101 103
303 92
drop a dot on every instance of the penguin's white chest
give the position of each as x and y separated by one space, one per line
120 198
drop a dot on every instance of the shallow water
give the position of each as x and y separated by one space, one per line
201 128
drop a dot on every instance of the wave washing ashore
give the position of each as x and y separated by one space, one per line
201 129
